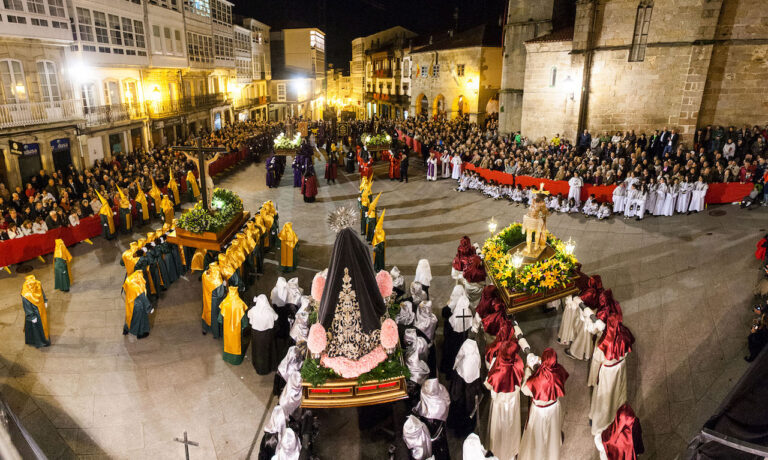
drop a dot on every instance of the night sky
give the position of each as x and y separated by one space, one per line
343 20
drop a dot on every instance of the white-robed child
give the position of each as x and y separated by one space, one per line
590 206
619 197
552 203
517 194
562 204
573 206
603 211
464 181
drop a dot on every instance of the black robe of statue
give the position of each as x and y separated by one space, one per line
351 253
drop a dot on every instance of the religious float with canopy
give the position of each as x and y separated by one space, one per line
353 356
529 265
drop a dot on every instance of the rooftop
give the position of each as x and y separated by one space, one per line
483 35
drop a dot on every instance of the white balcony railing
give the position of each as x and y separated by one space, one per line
35 113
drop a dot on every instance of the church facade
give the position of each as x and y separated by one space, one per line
642 65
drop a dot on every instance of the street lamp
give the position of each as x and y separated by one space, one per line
570 246
156 96
517 260
492 225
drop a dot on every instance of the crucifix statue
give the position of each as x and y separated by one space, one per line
203 165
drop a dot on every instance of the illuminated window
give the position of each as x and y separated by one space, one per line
138 28
460 70
12 77
424 71
640 37
281 92
436 70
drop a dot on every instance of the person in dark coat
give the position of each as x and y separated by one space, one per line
309 185
404 168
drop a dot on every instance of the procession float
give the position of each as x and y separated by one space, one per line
203 228
353 355
377 142
285 146
529 265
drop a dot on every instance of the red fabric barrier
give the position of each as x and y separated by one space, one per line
727 193
27 248
717 192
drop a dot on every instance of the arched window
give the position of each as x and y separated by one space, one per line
12 78
640 37
553 77
49 81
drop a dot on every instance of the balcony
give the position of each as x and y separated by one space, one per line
36 113
106 114
384 97
187 104
250 102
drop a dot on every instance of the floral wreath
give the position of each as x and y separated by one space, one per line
550 274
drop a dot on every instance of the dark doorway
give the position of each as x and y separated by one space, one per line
29 162
136 138
116 143
62 156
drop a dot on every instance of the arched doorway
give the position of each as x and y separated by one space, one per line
460 106
422 105
438 106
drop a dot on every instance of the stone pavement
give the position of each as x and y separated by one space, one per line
684 284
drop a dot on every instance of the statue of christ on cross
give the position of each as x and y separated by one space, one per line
203 165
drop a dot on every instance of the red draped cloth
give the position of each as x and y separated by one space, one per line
716 193
547 383
617 339
28 247
623 439
506 373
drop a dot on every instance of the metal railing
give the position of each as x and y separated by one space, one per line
165 108
105 114
35 113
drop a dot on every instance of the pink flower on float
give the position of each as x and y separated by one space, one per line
317 339
318 286
384 280
350 369
389 336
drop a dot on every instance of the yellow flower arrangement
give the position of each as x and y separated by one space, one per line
552 273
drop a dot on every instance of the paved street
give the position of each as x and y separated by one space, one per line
684 284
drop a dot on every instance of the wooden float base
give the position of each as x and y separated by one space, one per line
209 240
338 393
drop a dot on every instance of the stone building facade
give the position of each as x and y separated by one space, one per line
644 65
456 76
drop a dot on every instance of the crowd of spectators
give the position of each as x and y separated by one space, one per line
716 154
61 198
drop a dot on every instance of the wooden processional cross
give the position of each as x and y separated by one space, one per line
200 151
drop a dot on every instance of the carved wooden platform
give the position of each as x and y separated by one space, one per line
340 393
521 301
209 240
285 152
